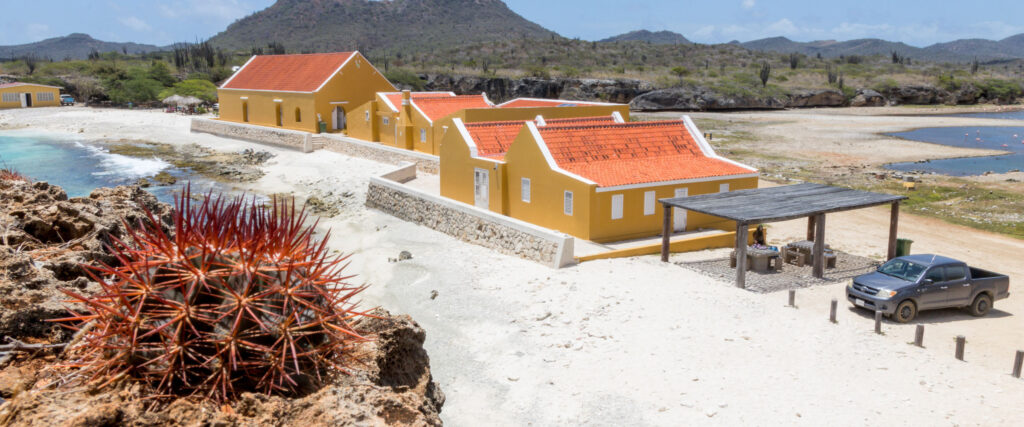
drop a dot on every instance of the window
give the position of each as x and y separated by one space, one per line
11 97
524 189
423 135
384 121
367 116
617 206
298 115
44 96
956 273
280 115
935 275
245 111
568 203
723 188
649 201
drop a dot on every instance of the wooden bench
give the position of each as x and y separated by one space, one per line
759 260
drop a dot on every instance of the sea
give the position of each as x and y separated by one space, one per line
1009 138
80 166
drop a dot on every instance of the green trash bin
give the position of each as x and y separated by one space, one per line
323 127
903 247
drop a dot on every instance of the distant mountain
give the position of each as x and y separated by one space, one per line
660 37
954 51
396 25
74 46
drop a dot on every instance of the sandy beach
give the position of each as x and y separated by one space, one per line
640 342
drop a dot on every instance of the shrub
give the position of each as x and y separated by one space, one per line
404 77
241 297
201 89
999 89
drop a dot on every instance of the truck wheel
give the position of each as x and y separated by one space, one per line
905 312
982 304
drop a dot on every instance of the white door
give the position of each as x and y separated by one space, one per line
481 185
679 220
338 119
24 100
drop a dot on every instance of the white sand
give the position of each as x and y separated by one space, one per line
632 341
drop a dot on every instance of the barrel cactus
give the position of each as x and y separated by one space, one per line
239 296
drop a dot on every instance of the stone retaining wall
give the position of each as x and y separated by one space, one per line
302 141
471 224
425 163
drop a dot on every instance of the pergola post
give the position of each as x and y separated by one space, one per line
810 228
894 221
666 232
818 252
741 254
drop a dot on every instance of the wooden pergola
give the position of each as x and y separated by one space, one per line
748 207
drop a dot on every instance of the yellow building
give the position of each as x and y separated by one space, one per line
431 115
296 91
26 95
597 178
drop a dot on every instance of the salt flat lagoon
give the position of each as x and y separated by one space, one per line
1010 139
80 167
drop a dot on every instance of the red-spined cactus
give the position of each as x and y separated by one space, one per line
239 297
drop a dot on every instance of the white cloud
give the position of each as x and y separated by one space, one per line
782 27
167 12
37 31
134 23
748 4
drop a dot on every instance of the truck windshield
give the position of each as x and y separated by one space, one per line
902 269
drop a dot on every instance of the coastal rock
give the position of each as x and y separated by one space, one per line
967 94
698 98
45 240
868 98
816 98
391 384
917 95
500 89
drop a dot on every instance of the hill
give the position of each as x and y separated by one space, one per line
954 51
72 46
397 26
659 37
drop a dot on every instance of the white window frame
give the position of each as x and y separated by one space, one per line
618 200
650 201
11 97
567 202
384 121
423 135
524 189
367 116
44 96
723 188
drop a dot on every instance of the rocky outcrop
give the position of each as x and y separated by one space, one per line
45 238
816 98
917 94
699 99
867 98
501 89
389 384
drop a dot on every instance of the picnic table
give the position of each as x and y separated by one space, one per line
799 253
759 260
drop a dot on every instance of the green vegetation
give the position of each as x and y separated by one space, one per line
202 89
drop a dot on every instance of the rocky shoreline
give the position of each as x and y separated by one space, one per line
644 96
46 238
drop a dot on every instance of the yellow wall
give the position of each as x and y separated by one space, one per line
362 125
35 90
634 224
355 84
725 239
458 169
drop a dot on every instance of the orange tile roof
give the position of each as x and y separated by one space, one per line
287 73
493 139
439 107
633 153
532 102
396 97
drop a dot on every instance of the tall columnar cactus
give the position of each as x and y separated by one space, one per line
239 297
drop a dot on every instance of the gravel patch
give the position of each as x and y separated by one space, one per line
791 276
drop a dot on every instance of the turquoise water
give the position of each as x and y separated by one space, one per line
80 167
1009 139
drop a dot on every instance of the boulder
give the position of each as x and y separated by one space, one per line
500 89
917 95
868 98
816 98
967 94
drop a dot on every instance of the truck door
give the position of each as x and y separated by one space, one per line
959 286
932 294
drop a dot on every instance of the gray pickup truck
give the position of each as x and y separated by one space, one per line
908 284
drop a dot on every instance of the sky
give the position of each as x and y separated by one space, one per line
915 22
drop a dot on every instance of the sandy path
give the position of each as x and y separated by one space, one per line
613 342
